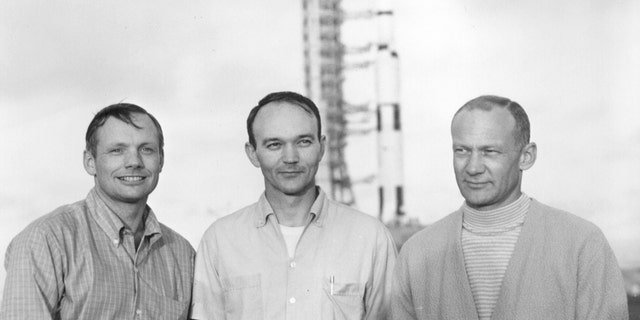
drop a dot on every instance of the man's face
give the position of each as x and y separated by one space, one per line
486 160
287 148
128 162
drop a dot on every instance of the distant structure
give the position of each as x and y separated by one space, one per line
390 156
323 55
324 75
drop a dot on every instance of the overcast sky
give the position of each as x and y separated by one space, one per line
199 66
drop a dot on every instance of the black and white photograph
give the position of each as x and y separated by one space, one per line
320 159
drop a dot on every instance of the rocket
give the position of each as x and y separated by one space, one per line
389 128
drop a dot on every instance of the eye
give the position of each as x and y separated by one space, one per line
305 142
116 150
459 151
275 145
490 152
147 150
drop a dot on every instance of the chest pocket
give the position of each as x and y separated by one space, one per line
242 297
345 301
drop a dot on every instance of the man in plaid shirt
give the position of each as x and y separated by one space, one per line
107 256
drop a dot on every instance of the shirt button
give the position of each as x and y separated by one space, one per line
116 241
292 300
292 264
138 312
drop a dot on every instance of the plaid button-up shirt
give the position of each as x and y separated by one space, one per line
80 262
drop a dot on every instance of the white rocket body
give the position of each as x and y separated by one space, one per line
390 153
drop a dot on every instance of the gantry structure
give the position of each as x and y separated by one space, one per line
324 60
324 56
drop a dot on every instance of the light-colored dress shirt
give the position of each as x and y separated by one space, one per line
79 262
341 268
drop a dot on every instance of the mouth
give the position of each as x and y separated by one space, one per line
476 184
291 173
131 179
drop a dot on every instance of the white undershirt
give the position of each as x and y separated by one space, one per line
291 236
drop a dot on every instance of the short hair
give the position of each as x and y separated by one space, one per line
488 102
123 112
284 96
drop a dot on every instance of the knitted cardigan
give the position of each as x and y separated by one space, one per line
562 268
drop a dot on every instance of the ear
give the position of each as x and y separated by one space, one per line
161 161
323 143
89 163
251 154
528 156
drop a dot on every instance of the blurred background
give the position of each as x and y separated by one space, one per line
200 66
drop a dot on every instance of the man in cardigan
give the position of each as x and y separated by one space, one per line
504 255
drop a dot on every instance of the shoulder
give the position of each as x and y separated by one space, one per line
563 224
51 230
434 237
232 223
350 217
65 218
566 235
176 240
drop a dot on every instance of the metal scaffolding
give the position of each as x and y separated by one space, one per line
324 62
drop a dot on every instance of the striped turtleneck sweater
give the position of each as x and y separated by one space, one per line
488 240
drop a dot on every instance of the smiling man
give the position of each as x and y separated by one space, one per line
105 257
504 255
295 254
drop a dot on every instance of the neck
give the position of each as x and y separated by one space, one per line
130 214
291 210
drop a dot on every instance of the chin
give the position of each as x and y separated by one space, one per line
295 190
476 201
134 197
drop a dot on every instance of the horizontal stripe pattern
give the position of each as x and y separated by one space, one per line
488 241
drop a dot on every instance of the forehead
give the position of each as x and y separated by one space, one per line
477 126
116 131
281 118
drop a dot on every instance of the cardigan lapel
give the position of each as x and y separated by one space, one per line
460 271
525 259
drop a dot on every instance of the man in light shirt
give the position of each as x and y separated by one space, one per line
503 254
294 254
105 257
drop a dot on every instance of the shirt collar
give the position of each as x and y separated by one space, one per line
111 224
318 209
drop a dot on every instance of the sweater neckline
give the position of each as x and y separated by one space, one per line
497 220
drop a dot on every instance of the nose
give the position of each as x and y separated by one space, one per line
133 159
290 154
475 164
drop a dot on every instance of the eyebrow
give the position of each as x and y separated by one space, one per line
480 147
302 136
118 144
124 144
